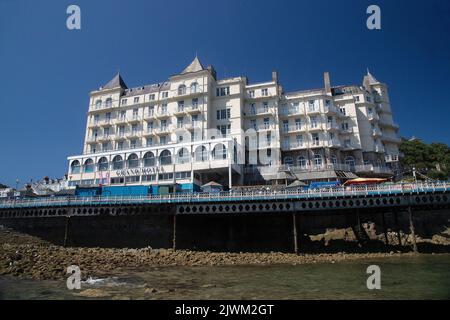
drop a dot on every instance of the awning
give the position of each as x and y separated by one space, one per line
364 181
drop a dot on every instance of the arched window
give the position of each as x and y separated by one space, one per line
219 152
149 159
133 161
350 161
103 164
317 160
181 89
183 156
165 158
98 104
89 165
301 162
117 163
108 103
75 166
289 161
201 154
194 87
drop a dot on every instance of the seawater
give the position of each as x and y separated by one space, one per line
416 277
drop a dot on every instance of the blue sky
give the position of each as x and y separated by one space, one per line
47 71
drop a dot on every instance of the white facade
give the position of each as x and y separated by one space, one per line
196 128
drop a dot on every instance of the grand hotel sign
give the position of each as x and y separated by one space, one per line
138 171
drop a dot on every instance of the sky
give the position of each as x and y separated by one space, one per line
47 70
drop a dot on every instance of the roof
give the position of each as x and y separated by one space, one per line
195 66
116 82
212 184
297 183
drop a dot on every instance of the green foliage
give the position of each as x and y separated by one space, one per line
432 159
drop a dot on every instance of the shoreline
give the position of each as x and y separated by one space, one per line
25 256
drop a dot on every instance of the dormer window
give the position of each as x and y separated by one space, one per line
136 100
124 102
165 94
181 89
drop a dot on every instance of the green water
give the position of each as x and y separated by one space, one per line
421 277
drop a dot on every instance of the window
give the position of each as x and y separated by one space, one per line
163 124
75 167
183 156
165 176
119 145
327 103
264 92
105 146
266 123
89 165
134 129
223 114
343 111
251 93
133 161
163 140
315 139
194 87
299 139
133 179
180 106
108 117
180 122
350 161
164 108
181 89
266 107
151 97
117 163
98 104
334 160
117 180
200 154
194 118
149 142
183 175
165 94
165 158
195 103
285 143
357 98
108 103
289 161
106 132
344 126
149 177
219 152
135 113
285 125
133 144
136 100
368 99
313 122
252 109
224 129
123 115
298 124
149 126
317 160
253 124
224 91
301 162
124 102
311 105
149 159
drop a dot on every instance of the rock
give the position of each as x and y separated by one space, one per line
150 290
93 293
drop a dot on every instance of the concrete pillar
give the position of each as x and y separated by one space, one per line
66 230
397 227
294 232
174 235
383 220
411 227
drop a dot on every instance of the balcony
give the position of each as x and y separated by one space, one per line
331 109
93 124
376 133
188 91
194 109
260 112
134 134
91 139
149 132
373 117
106 123
389 124
332 126
120 136
134 119
180 111
315 127
121 120
346 130
390 138
297 145
314 110
265 127
290 112
162 130
391 158
333 143
104 138
161 114
349 146
149 115
316 144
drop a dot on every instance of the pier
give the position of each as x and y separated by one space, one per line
187 220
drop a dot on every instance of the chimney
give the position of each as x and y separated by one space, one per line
326 80
275 76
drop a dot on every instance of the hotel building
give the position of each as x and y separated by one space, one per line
195 128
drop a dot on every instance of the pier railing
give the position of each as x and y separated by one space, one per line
337 192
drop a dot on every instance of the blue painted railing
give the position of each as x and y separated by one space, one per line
232 196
